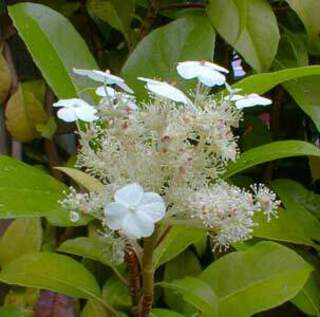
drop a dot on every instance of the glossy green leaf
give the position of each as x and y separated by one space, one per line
93 309
12 311
306 10
115 293
292 53
176 241
261 83
156 56
231 20
269 152
23 236
308 299
55 45
277 228
38 193
158 312
196 292
186 264
83 179
257 42
90 248
265 276
51 271
308 222
117 13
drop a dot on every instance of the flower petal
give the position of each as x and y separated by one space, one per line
189 69
211 78
129 195
103 91
68 103
115 214
152 205
67 114
137 225
214 66
86 113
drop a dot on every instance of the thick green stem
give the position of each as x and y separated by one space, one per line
148 275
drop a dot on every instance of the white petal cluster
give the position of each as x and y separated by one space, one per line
75 109
134 212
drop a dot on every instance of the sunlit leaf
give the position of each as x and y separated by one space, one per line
264 276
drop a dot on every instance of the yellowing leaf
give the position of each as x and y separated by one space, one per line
5 78
23 112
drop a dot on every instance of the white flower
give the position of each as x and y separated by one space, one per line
207 73
249 100
75 109
166 90
104 77
134 212
74 216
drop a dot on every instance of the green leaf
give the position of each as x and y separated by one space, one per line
269 152
257 42
157 312
265 276
292 53
27 192
117 13
176 241
196 292
83 179
116 294
306 11
51 271
55 45
90 248
308 222
93 309
261 83
12 311
277 228
306 94
188 38
186 264
23 236
230 21
308 299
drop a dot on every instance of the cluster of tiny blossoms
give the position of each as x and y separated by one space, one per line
162 160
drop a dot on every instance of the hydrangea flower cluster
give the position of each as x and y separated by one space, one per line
163 159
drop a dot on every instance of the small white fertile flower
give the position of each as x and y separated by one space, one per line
74 216
104 77
249 101
75 109
166 90
266 200
207 73
134 211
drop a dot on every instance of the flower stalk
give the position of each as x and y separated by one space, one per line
148 274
